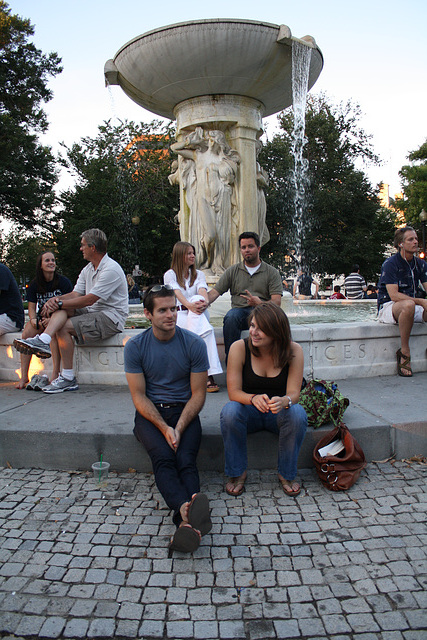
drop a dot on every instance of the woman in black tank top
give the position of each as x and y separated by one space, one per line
264 376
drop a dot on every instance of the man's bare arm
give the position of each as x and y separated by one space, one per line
397 296
212 295
198 382
144 406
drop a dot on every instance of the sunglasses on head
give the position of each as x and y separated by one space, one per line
159 287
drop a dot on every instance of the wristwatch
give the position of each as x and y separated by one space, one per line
290 402
59 303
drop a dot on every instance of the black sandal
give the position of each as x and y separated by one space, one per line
405 365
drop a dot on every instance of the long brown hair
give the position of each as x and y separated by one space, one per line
275 324
178 262
41 283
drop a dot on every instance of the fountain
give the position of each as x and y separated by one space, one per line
218 78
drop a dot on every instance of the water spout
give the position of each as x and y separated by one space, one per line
301 57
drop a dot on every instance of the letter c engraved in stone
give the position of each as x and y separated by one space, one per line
331 348
103 359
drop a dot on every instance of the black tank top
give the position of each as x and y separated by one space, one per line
252 383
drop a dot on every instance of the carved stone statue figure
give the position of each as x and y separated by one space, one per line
208 172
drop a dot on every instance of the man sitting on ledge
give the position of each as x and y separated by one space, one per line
166 370
250 282
398 299
96 309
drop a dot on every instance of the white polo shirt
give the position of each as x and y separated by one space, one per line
108 282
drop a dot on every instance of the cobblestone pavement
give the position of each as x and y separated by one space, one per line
78 562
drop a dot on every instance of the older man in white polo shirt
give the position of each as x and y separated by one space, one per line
96 309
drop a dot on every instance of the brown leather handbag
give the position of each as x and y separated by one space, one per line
339 472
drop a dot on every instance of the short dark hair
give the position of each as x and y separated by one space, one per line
337 288
355 268
160 291
399 235
247 235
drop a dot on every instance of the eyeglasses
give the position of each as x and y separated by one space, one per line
159 287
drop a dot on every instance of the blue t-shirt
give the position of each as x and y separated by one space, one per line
10 298
166 365
407 276
40 298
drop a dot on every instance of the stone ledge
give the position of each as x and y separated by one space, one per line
332 351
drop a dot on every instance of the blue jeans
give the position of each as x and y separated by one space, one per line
235 321
237 420
175 473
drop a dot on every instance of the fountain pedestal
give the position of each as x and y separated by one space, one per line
218 78
240 119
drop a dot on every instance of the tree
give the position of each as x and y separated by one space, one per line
343 221
122 188
414 180
27 168
21 251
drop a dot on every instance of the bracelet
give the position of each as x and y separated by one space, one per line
252 397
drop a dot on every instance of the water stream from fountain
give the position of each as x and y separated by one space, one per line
301 57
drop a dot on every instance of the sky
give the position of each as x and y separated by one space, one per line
374 51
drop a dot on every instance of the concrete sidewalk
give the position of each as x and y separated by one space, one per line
387 415
78 562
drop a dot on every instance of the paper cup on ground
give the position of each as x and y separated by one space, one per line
100 472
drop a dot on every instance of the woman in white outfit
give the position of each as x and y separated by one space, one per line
192 294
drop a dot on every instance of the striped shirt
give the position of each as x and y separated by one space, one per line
353 286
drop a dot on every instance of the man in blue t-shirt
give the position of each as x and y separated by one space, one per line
398 301
166 370
11 307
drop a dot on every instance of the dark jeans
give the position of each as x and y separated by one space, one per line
175 473
235 321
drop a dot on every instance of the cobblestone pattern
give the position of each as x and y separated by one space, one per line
77 562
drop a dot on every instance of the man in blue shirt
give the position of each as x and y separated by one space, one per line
166 370
401 274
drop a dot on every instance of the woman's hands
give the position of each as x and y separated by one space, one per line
197 307
265 404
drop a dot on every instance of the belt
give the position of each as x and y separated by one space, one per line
168 405
180 307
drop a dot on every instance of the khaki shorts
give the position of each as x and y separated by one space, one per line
385 314
92 327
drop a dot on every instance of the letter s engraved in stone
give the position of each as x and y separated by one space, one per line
362 353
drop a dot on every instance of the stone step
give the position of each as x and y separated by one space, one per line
387 415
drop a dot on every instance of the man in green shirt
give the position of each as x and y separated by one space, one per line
250 282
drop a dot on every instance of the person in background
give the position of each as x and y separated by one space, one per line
398 302
133 291
302 286
264 377
250 283
47 283
191 290
11 308
372 292
354 284
337 295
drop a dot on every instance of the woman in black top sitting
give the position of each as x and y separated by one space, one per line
48 283
264 376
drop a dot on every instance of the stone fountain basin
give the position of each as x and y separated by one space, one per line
161 68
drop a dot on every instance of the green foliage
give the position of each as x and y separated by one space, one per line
343 220
414 179
27 168
21 251
121 175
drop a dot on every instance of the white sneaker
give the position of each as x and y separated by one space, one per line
60 384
